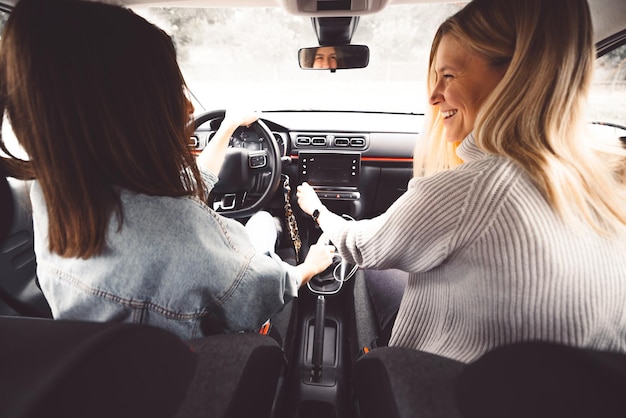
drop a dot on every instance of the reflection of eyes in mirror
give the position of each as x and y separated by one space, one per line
325 58
333 57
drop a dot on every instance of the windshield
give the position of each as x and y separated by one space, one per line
248 56
607 99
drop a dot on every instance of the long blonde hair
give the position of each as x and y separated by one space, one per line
535 116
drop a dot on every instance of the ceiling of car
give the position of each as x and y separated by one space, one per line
608 15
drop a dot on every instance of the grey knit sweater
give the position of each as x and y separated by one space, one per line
490 263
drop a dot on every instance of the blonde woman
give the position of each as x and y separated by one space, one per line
512 229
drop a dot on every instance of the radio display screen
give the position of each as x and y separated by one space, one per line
330 170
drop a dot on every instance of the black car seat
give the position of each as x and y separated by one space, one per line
19 291
237 375
527 379
395 382
544 380
6 216
86 369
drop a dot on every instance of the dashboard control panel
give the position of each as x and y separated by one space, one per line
334 176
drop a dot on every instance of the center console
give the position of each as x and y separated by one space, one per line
320 368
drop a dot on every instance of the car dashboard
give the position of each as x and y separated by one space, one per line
358 162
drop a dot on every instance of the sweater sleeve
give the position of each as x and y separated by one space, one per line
419 230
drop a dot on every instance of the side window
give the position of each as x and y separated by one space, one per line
4 16
7 133
608 94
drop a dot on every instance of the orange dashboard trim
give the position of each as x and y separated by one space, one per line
378 159
392 159
374 159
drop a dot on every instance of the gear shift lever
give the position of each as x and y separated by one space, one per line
318 339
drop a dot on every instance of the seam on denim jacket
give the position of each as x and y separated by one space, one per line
131 303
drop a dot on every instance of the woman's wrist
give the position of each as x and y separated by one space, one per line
317 212
305 271
226 130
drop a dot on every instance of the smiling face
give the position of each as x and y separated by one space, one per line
325 57
463 80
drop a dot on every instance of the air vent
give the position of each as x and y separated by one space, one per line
318 141
303 140
194 141
342 142
357 142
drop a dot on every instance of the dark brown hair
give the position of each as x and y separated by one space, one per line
96 98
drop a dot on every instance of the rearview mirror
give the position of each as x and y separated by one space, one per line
334 57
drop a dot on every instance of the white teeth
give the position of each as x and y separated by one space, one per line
448 113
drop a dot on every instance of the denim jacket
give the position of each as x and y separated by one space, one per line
175 263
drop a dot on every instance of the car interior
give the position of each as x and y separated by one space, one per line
318 357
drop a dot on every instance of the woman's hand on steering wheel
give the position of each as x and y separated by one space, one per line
233 118
253 176
212 157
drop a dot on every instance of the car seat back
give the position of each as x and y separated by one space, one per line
19 292
6 210
87 369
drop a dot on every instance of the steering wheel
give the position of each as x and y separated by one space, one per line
251 172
